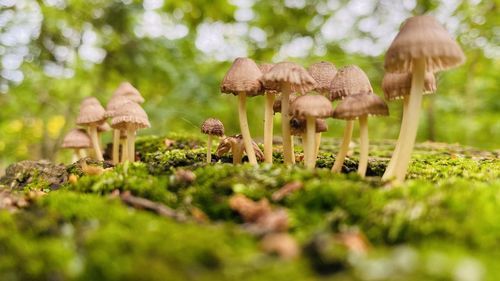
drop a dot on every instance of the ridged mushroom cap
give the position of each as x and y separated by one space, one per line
423 37
130 92
323 72
354 106
243 76
115 103
311 105
299 80
350 80
130 116
398 85
264 68
91 112
77 138
104 127
212 126
298 126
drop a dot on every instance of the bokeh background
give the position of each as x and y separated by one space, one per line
53 53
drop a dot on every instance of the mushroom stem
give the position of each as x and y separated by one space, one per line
124 150
131 144
116 146
410 128
245 131
389 170
81 153
209 149
304 145
363 135
268 128
310 131
318 143
344 148
76 155
285 126
95 142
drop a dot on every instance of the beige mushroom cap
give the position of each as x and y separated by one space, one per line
357 105
398 85
130 116
311 105
323 72
243 76
77 138
115 103
130 92
91 112
423 37
350 80
104 127
265 68
212 126
289 73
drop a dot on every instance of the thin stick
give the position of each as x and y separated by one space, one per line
268 128
311 131
148 205
245 131
344 148
209 149
285 126
131 144
318 143
116 146
389 171
364 142
95 142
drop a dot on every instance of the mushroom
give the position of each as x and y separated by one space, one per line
321 127
212 127
123 144
130 117
348 81
422 45
236 145
298 128
359 106
397 86
242 80
104 127
323 73
115 103
77 139
91 115
270 95
288 77
311 107
126 89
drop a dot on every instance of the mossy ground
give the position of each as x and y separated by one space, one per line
442 224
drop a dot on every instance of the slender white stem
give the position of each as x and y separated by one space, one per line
311 131
245 131
268 128
344 147
304 146
76 155
389 171
131 144
95 142
363 135
285 126
116 146
124 144
318 143
81 153
411 126
209 149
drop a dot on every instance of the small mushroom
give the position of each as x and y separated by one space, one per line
298 128
270 95
311 107
92 115
79 140
236 145
359 106
212 127
115 103
125 89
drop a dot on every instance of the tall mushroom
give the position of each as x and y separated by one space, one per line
242 80
92 115
130 117
288 77
77 139
359 106
397 86
236 145
212 127
349 80
311 107
422 45
114 104
270 95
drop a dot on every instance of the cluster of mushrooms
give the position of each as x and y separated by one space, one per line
126 116
304 98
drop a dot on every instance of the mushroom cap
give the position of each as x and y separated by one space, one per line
311 105
349 80
127 90
91 112
243 76
290 73
321 125
115 103
77 138
225 145
277 102
212 126
264 68
423 37
104 127
298 126
323 72
130 116
357 105
398 85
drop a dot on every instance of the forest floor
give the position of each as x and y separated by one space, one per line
174 217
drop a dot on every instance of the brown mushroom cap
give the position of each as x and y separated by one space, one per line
321 125
212 126
350 80
104 127
423 37
130 116
115 103
277 102
289 73
264 68
357 105
323 72
130 92
298 126
77 138
91 112
311 105
398 85
243 76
